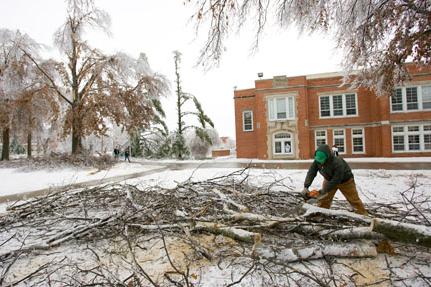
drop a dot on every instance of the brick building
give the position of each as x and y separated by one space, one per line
288 117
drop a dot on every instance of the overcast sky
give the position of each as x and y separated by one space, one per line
158 27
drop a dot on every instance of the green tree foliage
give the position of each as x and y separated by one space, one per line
154 141
179 147
16 147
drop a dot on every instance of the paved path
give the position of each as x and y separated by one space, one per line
24 195
292 165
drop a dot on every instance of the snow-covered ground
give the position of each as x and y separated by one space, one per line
374 186
18 180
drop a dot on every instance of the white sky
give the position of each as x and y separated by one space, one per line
158 27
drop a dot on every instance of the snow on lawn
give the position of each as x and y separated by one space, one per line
373 185
15 180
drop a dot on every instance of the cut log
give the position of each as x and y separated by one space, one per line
394 230
348 250
403 232
343 233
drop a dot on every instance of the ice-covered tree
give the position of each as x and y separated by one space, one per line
20 85
36 105
179 147
200 148
99 87
377 36
155 141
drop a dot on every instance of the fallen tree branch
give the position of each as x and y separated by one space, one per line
403 232
231 232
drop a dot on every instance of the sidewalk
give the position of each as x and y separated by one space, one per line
23 195
355 163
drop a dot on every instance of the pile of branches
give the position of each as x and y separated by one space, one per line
56 160
272 236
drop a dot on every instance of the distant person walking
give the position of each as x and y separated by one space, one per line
127 154
116 153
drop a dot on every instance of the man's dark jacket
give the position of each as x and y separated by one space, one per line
335 170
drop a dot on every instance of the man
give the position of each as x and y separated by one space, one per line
337 175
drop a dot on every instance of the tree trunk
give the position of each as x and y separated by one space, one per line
6 140
76 142
29 136
403 232
76 135
29 132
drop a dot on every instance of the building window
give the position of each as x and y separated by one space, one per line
320 137
426 97
411 99
325 107
281 108
427 137
397 100
411 138
350 104
247 121
338 105
358 143
283 143
340 140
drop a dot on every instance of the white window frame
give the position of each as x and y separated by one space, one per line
404 99
316 137
362 135
331 106
243 121
290 107
339 137
422 100
406 133
283 152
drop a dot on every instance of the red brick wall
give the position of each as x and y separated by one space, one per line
220 152
246 142
374 116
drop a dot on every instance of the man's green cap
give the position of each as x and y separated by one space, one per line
320 157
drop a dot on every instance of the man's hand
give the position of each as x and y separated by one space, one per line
304 193
309 196
313 193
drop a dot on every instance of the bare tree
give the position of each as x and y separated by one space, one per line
98 87
377 36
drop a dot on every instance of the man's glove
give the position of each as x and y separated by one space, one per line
313 193
307 194
304 193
